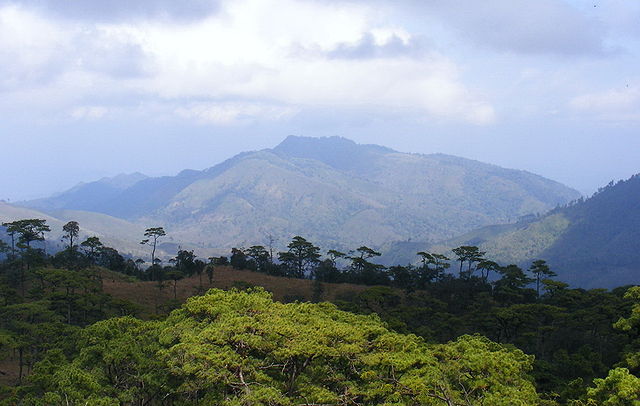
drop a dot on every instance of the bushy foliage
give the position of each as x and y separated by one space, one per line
242 348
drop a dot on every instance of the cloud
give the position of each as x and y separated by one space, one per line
119 10
383 45
241 52
229 113
620 104
520 26
42 50
89 112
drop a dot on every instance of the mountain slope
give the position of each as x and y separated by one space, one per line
91 196
112 231
594 242
333 191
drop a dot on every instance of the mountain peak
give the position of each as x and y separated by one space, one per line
123 180
338 152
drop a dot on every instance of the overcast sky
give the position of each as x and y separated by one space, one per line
94 88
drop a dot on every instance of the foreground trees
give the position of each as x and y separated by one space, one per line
241 348
192 358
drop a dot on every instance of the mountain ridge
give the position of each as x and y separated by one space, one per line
336 192
590 242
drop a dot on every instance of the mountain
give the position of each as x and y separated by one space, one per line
335 192
590 243
89 195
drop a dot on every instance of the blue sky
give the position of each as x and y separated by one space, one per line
92 88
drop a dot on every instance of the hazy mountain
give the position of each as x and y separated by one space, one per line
592 243
92 195
331 190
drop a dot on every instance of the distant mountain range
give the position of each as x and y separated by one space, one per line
335 192
590 243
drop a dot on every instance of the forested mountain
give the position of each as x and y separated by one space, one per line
590 243
332 190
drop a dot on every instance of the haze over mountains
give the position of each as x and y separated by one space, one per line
333 191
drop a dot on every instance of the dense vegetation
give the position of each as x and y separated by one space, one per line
459 331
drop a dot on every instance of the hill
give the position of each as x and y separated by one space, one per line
152 299
113 232
89 195
590 243
333 191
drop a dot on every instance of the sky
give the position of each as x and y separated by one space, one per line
92 88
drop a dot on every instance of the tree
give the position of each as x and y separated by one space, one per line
334 255
28 322
91 247
402 276
185 262
11 229
153 234
242 348
71 230
486 266
259 256
238 259
117 364
301 257
511 286
631 325
28 230
540 271
433 267
210 269
469 254
619 388
327 270
364 271
175 275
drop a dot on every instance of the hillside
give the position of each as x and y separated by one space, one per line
333 191
89 195
592 243
113 232
152 299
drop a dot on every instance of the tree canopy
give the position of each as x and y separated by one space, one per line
242 348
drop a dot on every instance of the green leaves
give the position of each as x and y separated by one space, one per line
619 388
241 348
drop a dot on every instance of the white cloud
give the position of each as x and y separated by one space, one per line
520 26
621 104
89 112
233 112
246 50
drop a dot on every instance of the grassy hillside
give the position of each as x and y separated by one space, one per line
154 299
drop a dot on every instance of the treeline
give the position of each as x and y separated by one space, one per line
304 260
